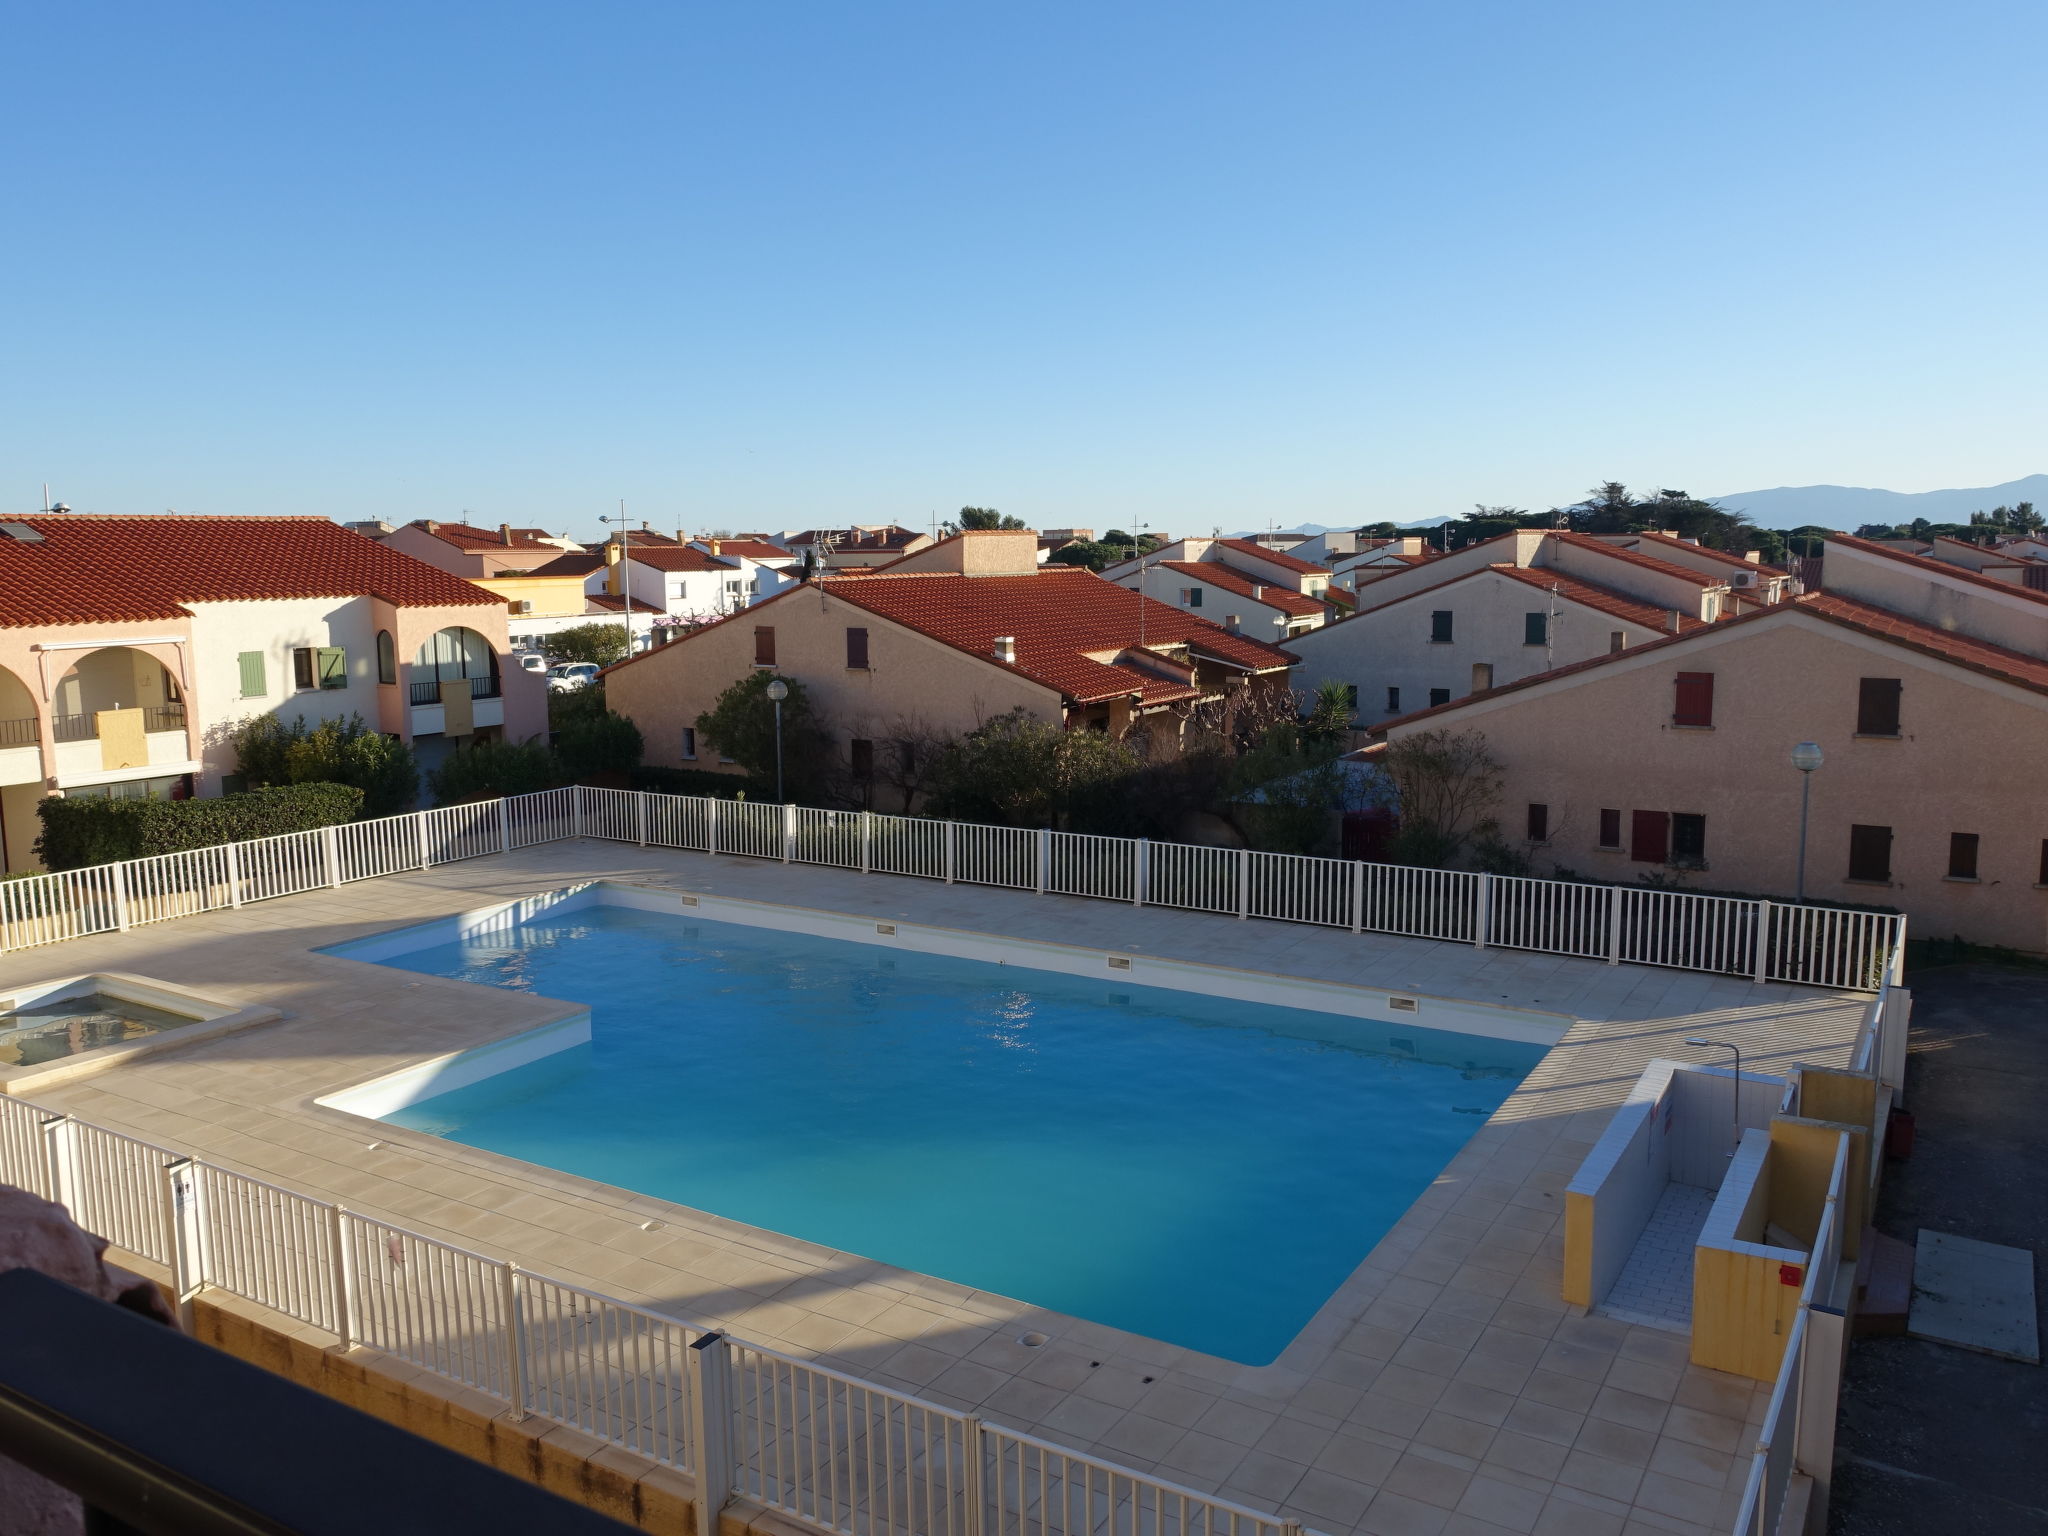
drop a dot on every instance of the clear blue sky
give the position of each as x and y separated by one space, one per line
767 265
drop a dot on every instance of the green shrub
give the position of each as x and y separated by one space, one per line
268 751
494 768
596 745
700 782
83 831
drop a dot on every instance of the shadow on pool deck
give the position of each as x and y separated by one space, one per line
1935 1439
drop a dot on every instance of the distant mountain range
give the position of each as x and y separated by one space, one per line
1847 506
1830 506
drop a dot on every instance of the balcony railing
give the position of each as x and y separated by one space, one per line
155 717
19 733
429 692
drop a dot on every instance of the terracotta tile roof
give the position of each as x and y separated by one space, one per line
1936 567
1069 625
1664 541
568 565
104 570
1232 579
1633 557
1588 595
464 537
2030 672
753 549
677 557
1281 558
1340 597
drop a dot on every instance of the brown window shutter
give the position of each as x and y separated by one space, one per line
1650 836
1870 853
764 646
1877 706
1694 704
1610 829
857 648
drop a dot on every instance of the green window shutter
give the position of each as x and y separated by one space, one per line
333 667
253 684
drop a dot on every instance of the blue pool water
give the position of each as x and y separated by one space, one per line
1200 1171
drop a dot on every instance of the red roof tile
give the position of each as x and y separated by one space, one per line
1285 561
1585 593
104 570
1633 557
752 549
1664 541
1937 567
1233 580
465 537
2030 672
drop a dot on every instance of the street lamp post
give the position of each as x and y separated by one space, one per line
777 691
1727 1045
1805 757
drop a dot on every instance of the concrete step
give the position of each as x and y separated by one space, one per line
1884 1283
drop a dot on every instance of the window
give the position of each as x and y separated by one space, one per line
304 668
689 744
254 683
1482 676
857 648
1688 840
764 646
1440 627
1877 706
387 658
1610 829
1191 597
1870 854
1393 701
1439 696
1649 839
2043 871
862 754
1617 640
1693 703
1962 855
1539 823
1535 629
1351 696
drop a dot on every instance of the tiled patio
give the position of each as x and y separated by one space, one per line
1445 1390
1655 1285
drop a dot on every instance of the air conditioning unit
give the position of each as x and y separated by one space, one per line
522 605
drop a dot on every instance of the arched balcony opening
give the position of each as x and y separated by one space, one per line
117 677
17 713
449 656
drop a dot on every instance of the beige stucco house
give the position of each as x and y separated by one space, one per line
942 639
130 648
1926 688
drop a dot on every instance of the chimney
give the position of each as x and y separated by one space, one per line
611 567
430 525
682 537
1006 649
1258 591
1672 622
714 547
504 533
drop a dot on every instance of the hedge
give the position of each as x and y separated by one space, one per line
95 830
700 782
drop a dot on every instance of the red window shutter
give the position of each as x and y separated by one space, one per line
1650 836
764 646
1694 704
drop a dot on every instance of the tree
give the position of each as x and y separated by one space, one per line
741 725
1447 782
1287 791
1019 771
491 769
270 752
1608 508
1329 714
982 520
1089 556
598 745
1807 540
601 643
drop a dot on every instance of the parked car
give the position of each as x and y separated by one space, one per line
568 676
530 661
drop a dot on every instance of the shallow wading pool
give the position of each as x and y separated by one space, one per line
1199 1169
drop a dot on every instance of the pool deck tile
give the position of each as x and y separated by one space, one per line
1443 1389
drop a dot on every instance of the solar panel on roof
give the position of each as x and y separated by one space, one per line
21 532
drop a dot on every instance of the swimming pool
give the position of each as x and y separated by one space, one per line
1196 1169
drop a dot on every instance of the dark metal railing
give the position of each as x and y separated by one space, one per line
74 727
19 733
429 692
163 717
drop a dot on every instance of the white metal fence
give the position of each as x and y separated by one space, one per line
1767 941
835 1452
